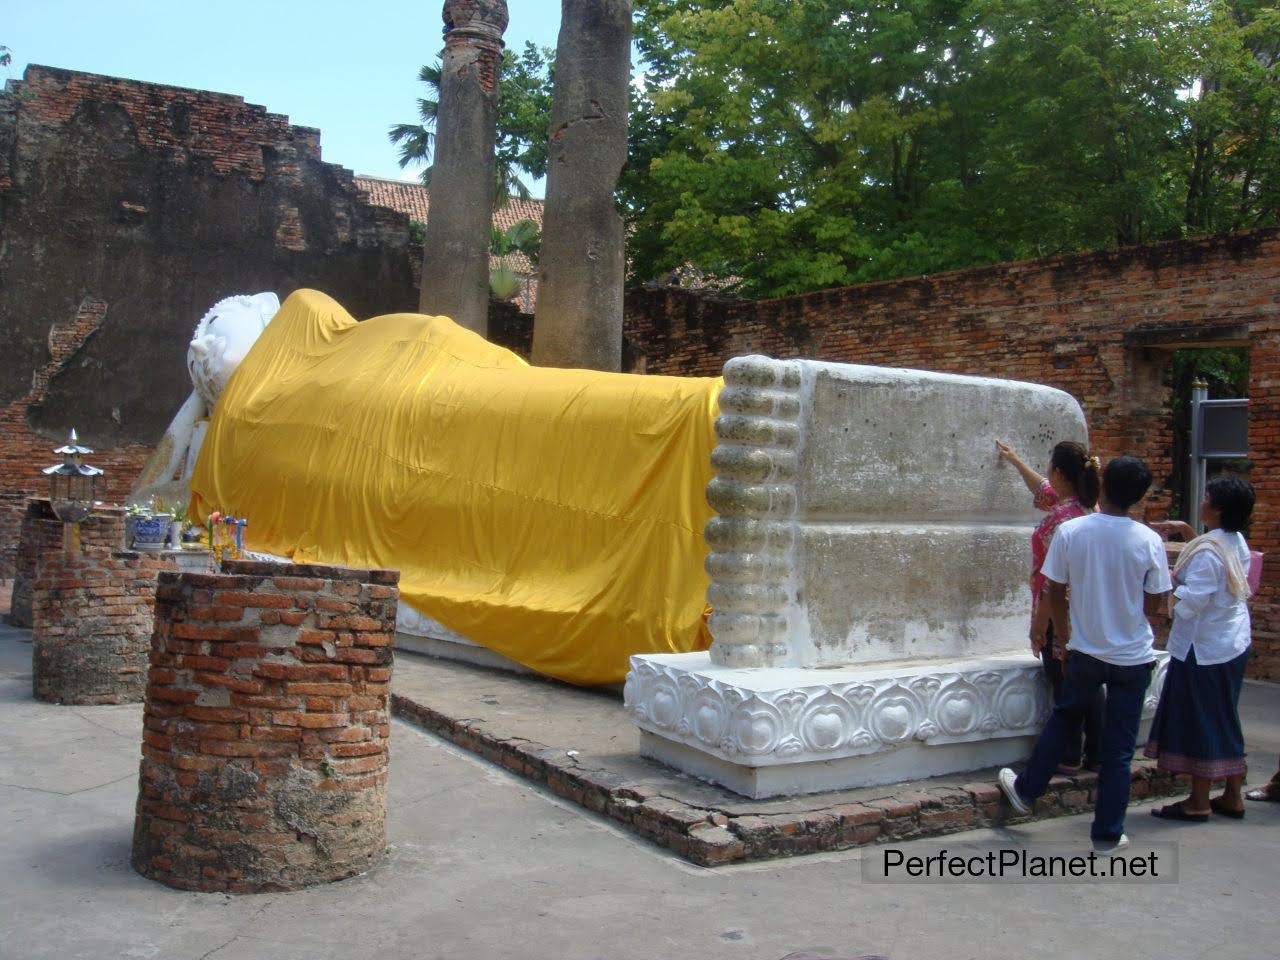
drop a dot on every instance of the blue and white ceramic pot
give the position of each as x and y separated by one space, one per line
150 532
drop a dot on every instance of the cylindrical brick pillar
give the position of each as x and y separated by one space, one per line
264 756
92 617
40 533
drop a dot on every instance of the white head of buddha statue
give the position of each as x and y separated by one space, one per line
223 338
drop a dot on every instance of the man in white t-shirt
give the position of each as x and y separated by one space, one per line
1118 574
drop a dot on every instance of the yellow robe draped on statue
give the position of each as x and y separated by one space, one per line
554 516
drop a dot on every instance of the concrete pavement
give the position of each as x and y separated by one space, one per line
484 865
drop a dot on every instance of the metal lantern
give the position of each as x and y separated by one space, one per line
71 486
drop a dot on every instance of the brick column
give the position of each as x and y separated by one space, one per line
264 756
40 533
92 614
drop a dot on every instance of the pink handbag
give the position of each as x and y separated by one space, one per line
1255 571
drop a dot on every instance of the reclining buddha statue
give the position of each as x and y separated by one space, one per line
860 545
860 548
552 516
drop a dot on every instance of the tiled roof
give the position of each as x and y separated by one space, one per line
414 199
408 198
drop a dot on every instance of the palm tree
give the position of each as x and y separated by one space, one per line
415 139
523 237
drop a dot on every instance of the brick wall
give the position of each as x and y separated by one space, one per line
23 451
1101 326
127 209
186 126
92 636
266 726
13 505
40 533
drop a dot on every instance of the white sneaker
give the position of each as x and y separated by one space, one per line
1111 846
1008 780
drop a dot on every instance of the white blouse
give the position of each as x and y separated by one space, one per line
1207 615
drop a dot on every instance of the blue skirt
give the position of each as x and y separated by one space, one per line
1196 729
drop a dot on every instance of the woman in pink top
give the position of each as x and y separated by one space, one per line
1069 491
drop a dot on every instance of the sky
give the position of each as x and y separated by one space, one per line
348 68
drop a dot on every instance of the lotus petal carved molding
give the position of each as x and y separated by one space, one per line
829 720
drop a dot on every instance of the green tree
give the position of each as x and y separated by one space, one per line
524 117
1233 179
801 140
524 110
1086 105
784 146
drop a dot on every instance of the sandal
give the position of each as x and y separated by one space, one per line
1217 806
1174 811
1269 792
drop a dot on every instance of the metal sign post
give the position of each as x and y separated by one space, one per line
1219 429
1199 394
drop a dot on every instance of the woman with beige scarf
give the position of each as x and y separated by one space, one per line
1196 729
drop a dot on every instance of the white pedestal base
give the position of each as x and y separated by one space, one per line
766 732
462 651
911 762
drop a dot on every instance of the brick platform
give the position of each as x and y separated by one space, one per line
265 748
92 624
41 532
526 724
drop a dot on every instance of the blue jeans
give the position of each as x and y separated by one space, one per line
1126 691
1072 754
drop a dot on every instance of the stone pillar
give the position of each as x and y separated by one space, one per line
869 578
265 742
455 262
41 532
578 322
92 613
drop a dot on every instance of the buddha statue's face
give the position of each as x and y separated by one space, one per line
223 338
